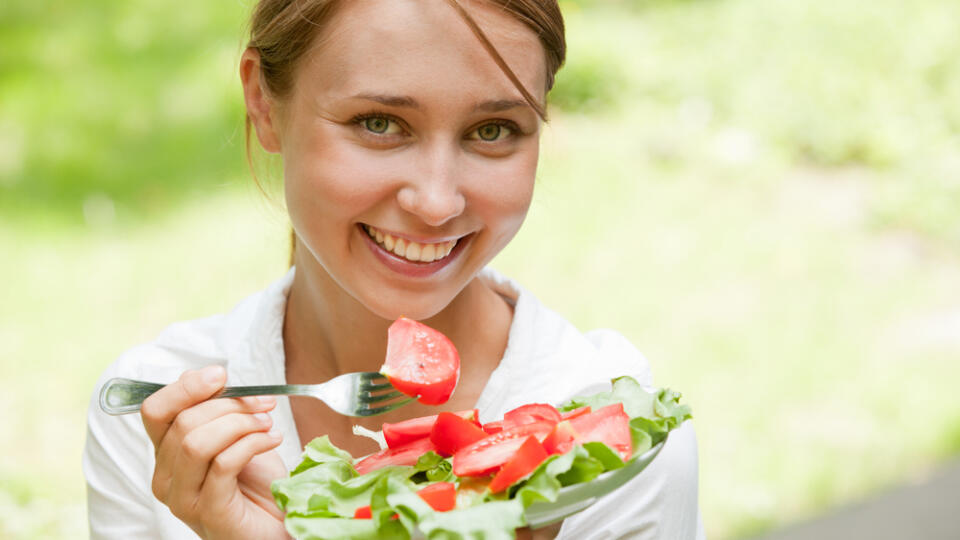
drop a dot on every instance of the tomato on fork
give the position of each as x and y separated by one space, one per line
421 362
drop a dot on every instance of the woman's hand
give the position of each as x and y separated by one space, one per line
214 464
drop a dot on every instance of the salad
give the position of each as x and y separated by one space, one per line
449 476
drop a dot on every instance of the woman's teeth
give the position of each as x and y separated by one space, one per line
409 250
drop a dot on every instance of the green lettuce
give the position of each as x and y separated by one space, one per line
321 495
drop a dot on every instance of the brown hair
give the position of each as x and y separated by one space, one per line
283 30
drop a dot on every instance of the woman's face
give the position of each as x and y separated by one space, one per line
409 157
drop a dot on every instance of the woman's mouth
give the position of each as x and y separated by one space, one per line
409 250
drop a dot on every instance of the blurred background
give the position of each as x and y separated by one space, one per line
762 195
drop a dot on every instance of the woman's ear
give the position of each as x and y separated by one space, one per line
260 107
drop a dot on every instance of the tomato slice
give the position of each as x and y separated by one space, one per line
575 413
407 454
609 425
493 427
407 431
561 439
421 361
489 454
441 496
451 433
531 412
530 454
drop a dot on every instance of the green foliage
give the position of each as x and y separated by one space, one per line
587 85
133 102
812 84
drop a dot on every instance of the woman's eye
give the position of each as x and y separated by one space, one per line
380 125
493 132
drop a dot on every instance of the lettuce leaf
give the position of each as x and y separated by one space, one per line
494 520
334 528
325 484
434 468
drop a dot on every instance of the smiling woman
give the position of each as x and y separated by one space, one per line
409 136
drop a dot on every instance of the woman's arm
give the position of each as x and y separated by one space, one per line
117 461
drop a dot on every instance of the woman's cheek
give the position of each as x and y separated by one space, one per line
507 188
333 183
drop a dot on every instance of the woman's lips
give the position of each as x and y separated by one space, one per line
411 258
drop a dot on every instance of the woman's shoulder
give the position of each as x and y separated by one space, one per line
550 359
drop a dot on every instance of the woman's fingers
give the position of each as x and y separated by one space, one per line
161 409
200 448
207 411
198 415
189 420
221 480
168 423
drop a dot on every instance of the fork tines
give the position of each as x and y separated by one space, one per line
376 393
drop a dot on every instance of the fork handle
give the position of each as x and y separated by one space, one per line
122 396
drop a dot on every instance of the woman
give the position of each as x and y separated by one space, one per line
409 134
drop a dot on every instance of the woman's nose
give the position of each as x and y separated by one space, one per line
434 193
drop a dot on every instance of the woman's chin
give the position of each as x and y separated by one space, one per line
416 309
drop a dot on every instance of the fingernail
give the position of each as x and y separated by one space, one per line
274 434
266 400
263 418
212 374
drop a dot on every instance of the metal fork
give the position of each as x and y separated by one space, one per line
350 394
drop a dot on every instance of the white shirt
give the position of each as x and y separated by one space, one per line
546 360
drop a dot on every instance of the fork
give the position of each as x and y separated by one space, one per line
350 394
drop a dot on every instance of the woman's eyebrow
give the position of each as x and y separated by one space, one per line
495 105
391 101
498 105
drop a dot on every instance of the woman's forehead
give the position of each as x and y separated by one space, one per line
409 47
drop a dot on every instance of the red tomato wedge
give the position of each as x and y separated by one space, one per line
421 361
524 461
561 439
575 413
489 454
441 496
407 431
407 454
531 412
451 433
609 425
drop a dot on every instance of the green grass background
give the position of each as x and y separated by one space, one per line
762 195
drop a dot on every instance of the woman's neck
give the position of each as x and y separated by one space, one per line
327 332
